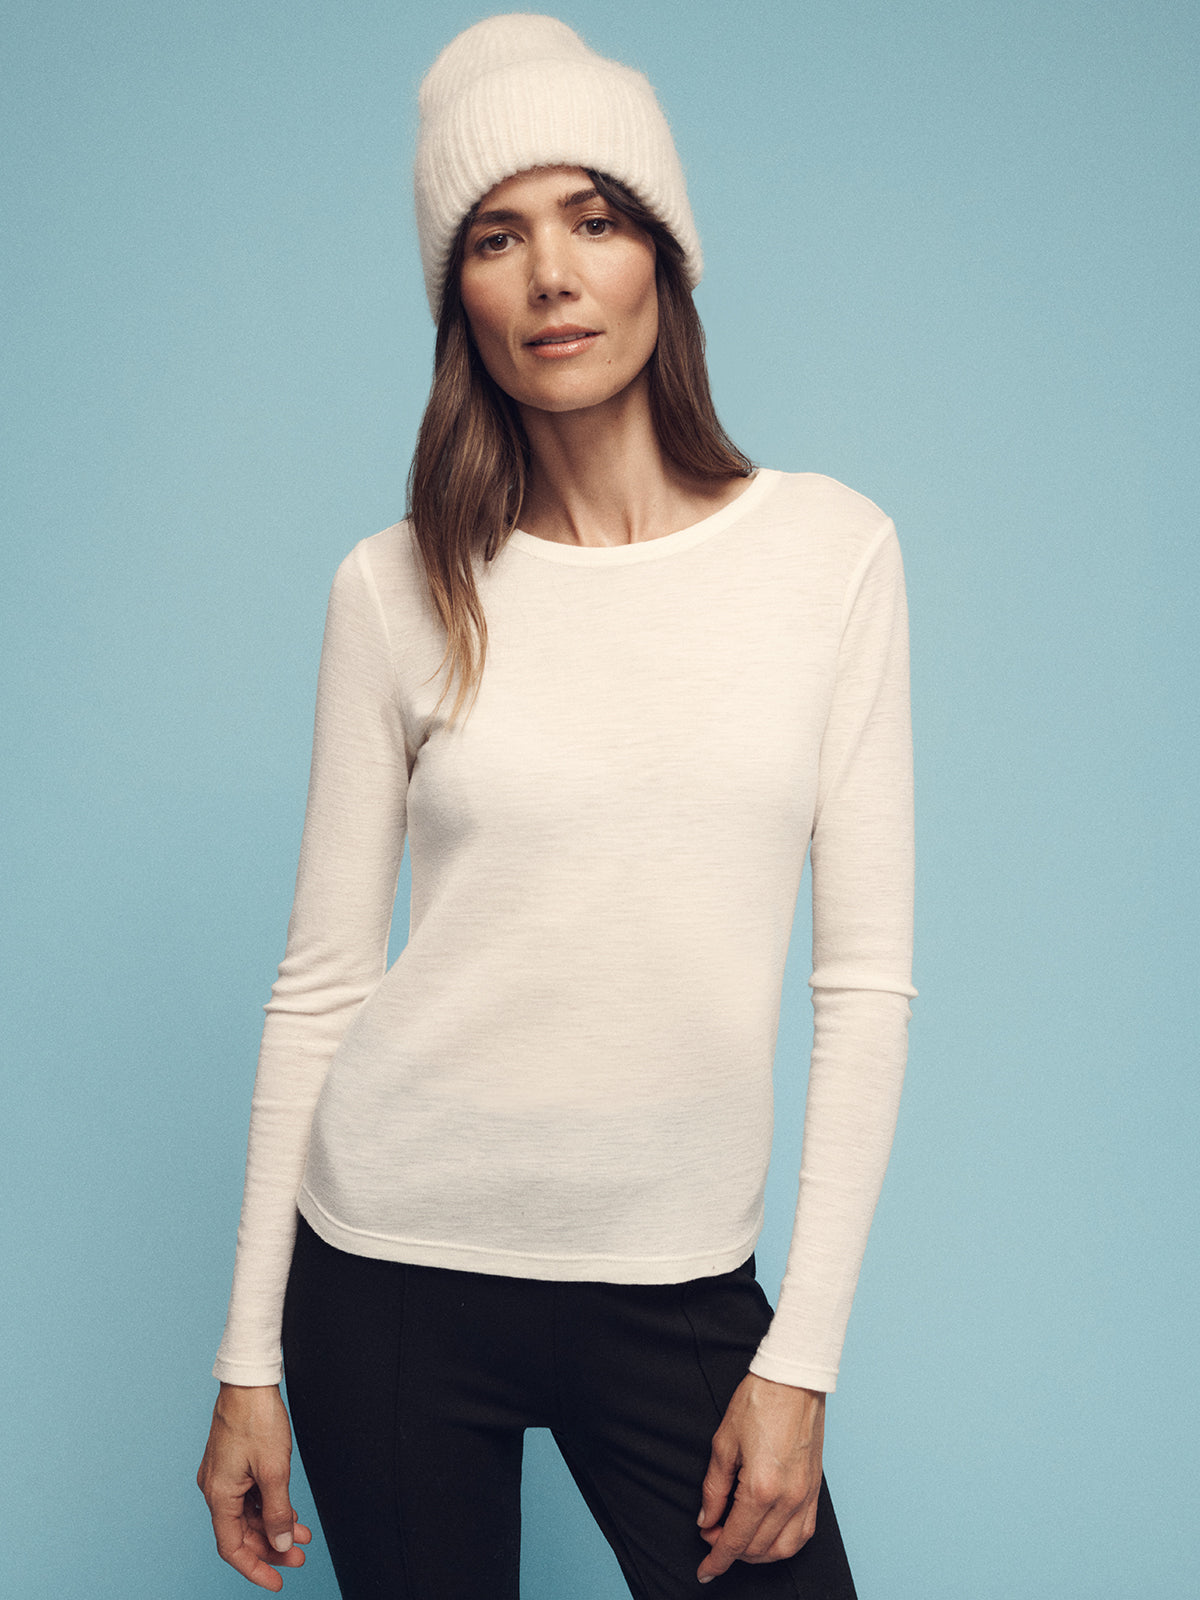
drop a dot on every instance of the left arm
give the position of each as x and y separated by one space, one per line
862 884
769 1444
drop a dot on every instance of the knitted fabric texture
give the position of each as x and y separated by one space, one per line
522 91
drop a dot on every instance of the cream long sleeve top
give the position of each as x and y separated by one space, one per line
567 1073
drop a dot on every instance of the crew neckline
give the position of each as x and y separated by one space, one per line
591 555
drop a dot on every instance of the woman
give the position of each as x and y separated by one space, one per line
529 1159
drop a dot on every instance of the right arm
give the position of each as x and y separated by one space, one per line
336 953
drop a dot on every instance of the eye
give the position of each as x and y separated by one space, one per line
493 243
597 227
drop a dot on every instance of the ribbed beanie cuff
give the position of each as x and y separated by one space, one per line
522 91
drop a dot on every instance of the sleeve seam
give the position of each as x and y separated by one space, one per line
859 573
368 578
853 588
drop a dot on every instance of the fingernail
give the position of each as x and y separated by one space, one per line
709 1579
700 1520
282 1542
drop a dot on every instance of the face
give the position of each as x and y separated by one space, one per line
559 291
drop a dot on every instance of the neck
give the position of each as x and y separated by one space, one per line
599 477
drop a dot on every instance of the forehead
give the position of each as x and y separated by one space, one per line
536 186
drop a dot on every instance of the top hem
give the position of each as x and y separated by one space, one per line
518 1264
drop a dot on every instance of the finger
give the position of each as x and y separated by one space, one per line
235 1544
793 1536
741 1525
798 1528
258 1571
780 1534
255 1536
775 1519
255 1539
717 1485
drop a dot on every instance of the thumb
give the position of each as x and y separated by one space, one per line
717 1486
278 1517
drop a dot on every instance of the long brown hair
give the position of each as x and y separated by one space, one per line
468 474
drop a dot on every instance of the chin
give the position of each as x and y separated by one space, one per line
562 405
567 397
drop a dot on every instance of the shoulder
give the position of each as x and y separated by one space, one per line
386 569
380 586
823 502
380 557
826 525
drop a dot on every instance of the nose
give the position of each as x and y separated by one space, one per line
552 275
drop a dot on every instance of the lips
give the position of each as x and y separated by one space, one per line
567 333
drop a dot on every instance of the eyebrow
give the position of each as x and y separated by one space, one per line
577 199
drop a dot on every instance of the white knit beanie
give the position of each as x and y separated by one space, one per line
522 91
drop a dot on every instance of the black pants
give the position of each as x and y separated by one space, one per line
410 1390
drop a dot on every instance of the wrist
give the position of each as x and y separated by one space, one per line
238 1400
817 1396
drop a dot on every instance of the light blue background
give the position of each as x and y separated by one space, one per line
950 259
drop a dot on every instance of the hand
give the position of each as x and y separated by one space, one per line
244 1478
769 1443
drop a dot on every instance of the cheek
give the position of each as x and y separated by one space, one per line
484 315
635 293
